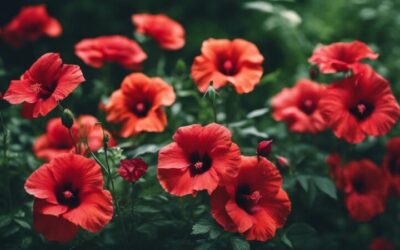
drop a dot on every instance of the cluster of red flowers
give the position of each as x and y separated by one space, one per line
30 24
246 191
360 104
68 190
365 185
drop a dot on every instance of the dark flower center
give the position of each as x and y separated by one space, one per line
68 196
141 108
362 110
199 164
308 106
227 67
246 198
394 165
41 90
360 186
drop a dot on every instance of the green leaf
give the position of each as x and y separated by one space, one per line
252 131
299 232
23 224
257 113
201 227
285 240
260 6
239 244
326 186
303 180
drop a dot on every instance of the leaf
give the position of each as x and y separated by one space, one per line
300 232
285 240
326 186
257 113
303 180
23 224
260 6
146 149
253 131
201 227
239 244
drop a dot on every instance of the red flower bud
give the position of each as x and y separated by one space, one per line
282 162
264 148
132 169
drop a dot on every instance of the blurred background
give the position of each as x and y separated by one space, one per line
286 32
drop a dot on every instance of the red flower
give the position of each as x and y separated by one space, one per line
365 188
341 56
381 244
200 158
30 24
168 33
57 140
298 107
138 104
132 169
40 88
69 194
96 51
254 204
360 105
391 165
237 62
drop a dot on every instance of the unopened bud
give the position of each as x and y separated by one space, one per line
264 148
67 118
282 162
180 67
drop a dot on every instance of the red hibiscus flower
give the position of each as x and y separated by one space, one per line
169 34
41 87
132 169
30 24
341 56
253 204
200 158
360 105
391 165
138 104
69 194
57 139
298 107
237 62
381 244
365 188
96 51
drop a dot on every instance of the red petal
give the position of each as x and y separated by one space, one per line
21 91
94 211
54 228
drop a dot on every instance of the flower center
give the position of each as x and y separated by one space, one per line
247 199
359 186
227 67
68 196
308 106
199 164
362 110
141 108
39 89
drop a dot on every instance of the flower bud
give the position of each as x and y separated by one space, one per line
132 169
282 162
180 67
313 72
264 148
211 93
67 118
